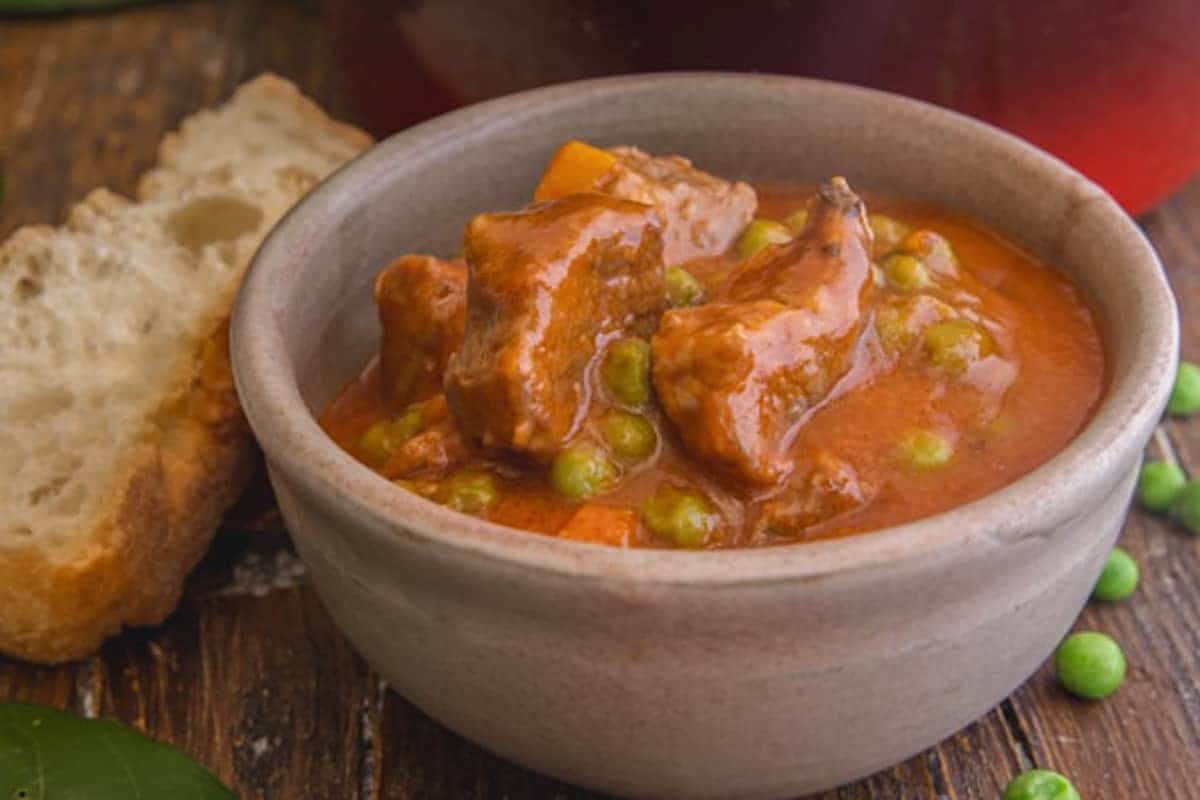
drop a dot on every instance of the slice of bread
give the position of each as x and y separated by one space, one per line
121 440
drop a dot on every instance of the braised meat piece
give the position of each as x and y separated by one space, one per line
702 214
827 489
423 309
546 284
736 376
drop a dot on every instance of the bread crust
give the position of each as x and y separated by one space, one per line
170 491
170 496
270 86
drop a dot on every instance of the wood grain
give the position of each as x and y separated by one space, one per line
251 677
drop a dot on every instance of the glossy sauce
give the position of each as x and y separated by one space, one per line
1006 417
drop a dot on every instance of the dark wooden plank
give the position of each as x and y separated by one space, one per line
423 760
53 686
977 763
252 678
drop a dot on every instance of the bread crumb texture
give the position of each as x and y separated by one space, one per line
121 440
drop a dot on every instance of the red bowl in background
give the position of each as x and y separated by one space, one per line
1110 86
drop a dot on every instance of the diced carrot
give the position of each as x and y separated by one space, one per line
595 522
575 168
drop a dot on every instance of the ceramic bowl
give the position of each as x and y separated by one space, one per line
753 673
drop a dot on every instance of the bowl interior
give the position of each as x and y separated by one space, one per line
306 324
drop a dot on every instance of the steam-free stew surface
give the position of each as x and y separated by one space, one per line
955 371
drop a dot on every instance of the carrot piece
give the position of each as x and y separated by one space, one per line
575 167
601 524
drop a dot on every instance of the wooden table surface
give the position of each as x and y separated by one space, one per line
250 676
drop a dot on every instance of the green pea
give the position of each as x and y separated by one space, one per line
888 233
797 221
1185 395
469 491
386 436
580 471
678 517
925 450
1090 665
1187 506
626 371
954 345
682 288
1040 784
631 437
1119 578
1159 484
905 272
761 234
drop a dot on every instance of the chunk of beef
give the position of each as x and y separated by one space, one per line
828 488
546 284
736 376
422 304
704 214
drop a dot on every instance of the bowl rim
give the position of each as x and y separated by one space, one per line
299 451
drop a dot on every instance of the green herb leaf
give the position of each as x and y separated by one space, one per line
50 755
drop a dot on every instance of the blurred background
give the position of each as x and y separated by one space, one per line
1111 86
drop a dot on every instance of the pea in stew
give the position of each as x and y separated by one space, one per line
651 356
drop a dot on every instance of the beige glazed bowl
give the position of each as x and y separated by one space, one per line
754 673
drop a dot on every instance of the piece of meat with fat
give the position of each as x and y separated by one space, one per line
702 214
422 304
735 376
546 284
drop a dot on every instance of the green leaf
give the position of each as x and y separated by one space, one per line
47 754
